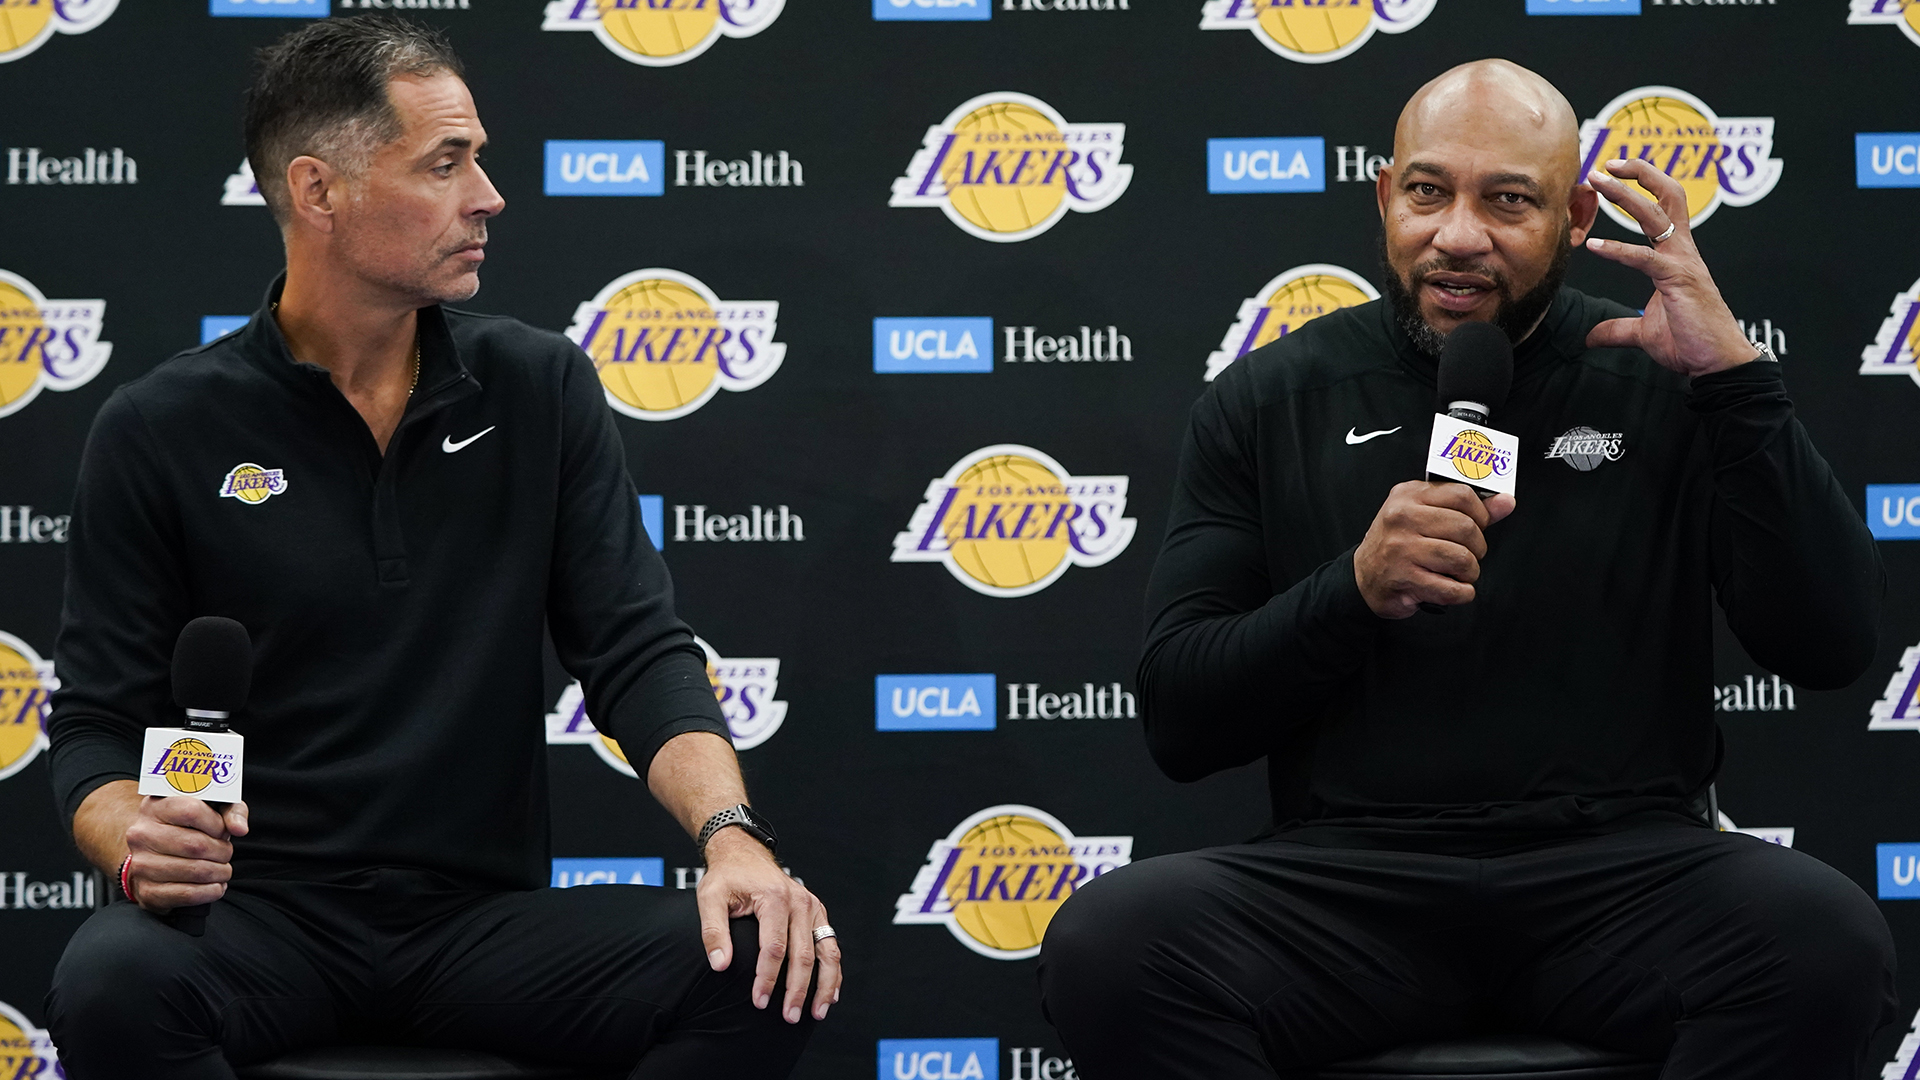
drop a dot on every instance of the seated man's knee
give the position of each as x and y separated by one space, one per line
120 963
1825 942
1097 947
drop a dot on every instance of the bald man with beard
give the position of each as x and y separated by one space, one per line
1492 821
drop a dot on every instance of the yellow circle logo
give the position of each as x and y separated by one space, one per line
664 344
1716 159
1292 299
1472 454
1904 14
662 33
25 25
1007 167
997 880
45 344
252 484
25 683
19 322
189 765
1008 520
1314 31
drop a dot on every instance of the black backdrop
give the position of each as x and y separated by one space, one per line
852 452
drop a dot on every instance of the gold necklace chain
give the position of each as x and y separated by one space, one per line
274 309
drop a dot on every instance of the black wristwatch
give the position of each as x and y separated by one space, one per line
749 822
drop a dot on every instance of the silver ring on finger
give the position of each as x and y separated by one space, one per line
822 933
1671 225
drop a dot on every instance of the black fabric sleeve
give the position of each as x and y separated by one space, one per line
610 601
1229 666
1795 568
126 599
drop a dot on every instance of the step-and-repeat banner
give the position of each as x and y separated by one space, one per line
940 280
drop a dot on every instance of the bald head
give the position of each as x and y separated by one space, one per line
1498 107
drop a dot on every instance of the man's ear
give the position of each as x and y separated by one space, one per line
1383 189
312 189
1582 207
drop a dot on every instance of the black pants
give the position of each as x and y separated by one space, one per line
601 977
1726 956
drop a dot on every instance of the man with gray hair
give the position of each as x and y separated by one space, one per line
428 489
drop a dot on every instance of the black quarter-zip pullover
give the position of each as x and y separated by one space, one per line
1573 694
395 602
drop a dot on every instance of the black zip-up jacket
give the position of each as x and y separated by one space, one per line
395 603
1573 695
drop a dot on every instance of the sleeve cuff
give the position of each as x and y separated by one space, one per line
1755 380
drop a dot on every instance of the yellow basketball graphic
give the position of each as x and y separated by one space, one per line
23 707
1468 447
669 29
1303 300
980 171
19 321
649 351
1910 13
22 21
1665 124
997 486
1315 29
1008 841
187 763
249 484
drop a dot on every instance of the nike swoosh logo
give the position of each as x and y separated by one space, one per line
1352 439
449 446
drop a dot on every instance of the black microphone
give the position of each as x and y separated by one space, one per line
1476 372
212 673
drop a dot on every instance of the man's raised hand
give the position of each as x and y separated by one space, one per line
1425 546
1686 325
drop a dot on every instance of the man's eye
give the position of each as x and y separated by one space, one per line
1425 190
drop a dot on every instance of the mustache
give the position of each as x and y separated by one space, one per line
1447 264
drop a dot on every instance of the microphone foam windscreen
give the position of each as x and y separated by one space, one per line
212 665
1476 364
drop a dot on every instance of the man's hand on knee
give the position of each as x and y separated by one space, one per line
743 879
182 851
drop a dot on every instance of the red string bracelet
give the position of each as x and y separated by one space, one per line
126 865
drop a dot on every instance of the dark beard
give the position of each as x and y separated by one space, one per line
1515 315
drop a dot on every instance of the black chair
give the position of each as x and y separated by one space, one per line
1517 1057
405 1063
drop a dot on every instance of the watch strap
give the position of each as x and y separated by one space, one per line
743 816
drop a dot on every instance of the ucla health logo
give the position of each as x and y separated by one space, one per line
962 345
26 1050
1314 31
934 702
1904 14
744 688
1007 167
1886 159
25 683
1716 159
1244 166
664 344
997 879
1893 511
1583 7
1291 300
662 33
606 167
276 9
571 873
27 26
1899 708
1894 348
940 1059
45 344
1008 520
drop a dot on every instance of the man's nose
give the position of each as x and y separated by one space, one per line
1462 233
488 200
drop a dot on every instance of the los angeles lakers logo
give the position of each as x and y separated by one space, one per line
241 188
1007 167
1904 14
1008 520
1474 456
1899 708
1285 304
1314 31
1717 159
744 688
189 765
26 1050
1898 343
665 344
25 682
25 25
662 33
45 344
253 484
997 879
